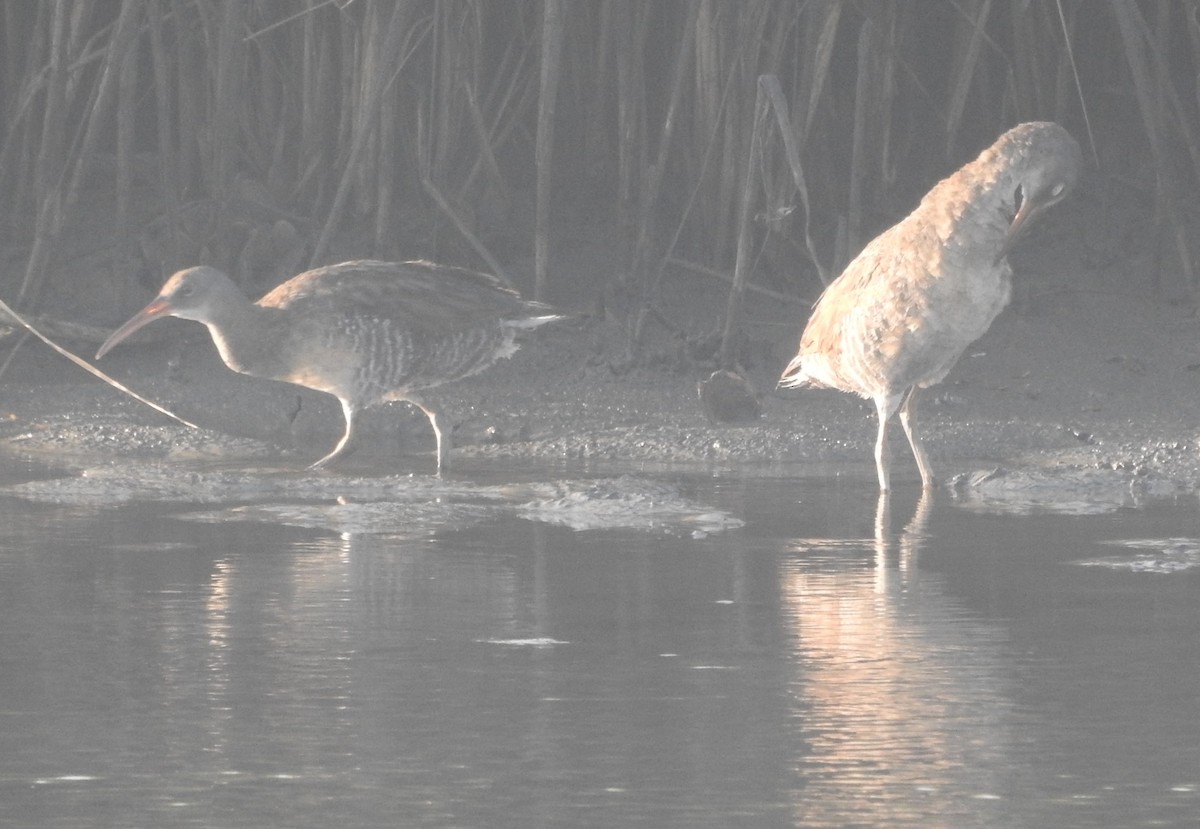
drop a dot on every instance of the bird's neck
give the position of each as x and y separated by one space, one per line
995 186
244 334
978 201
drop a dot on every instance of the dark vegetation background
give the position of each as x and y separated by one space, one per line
265 136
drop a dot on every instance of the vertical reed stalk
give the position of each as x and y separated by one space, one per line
391 62
167 161
50 163
741 268
552 37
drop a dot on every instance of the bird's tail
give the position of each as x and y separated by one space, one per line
793 376
527 323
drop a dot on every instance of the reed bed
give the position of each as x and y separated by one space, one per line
480 132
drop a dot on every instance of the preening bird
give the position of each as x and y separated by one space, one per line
901 314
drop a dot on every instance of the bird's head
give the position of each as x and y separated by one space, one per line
1047 163
192 294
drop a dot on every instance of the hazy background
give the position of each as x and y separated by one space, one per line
266 135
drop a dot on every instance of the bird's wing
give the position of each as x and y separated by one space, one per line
420 296
864 328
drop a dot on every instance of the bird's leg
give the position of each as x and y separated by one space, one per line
885 405
443 442
348 411
908 416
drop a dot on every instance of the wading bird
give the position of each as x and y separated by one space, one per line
363 331
906 307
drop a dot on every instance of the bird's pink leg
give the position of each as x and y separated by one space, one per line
908 415
348 411
884 406
443 443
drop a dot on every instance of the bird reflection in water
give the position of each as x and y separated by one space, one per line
907 545
898 690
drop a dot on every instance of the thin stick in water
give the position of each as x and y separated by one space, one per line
84 364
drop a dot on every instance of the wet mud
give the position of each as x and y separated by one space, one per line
1075 396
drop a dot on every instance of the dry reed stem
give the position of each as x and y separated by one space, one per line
478 246
817 67
394 57
50 165
1134 38
552 38
651 191
770 84
301 97
88 367
966 64
741 268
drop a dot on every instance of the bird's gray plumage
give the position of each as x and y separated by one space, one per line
363 331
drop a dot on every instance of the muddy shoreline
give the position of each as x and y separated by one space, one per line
1072 384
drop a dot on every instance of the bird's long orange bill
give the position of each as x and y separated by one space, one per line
157 308
1028 208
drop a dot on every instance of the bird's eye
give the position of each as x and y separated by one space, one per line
1057 190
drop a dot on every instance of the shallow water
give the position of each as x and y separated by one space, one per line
287 661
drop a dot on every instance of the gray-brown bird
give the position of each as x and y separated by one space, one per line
363 331
903 311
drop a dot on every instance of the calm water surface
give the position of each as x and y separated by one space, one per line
835 662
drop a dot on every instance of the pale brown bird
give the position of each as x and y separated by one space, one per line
363 331
903 311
